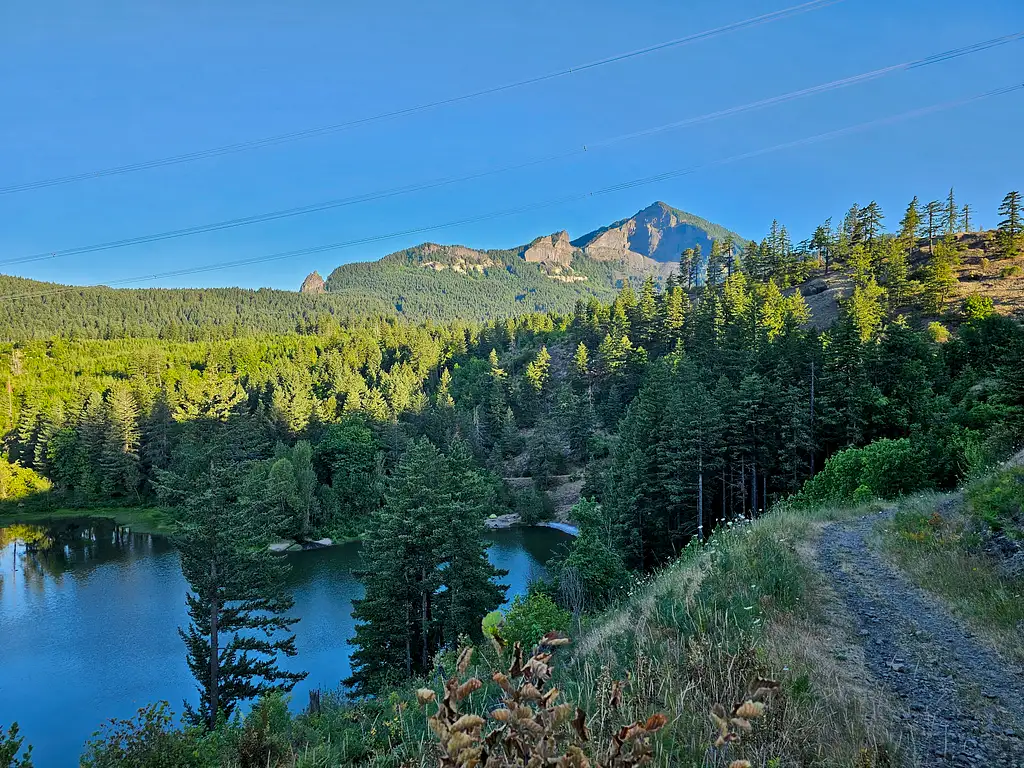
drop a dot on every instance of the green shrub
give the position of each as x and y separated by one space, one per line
938 332
491 623
892 468
1011 270
17 482
837 481
999 500
977 307
590 573
882 469
528 620
147 740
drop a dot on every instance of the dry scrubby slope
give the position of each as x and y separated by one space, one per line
982 270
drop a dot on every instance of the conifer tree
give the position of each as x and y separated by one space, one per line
443 397
939 280
471 583
910 224
932 213
1012 224
676 308
952 214
580 371
853 225
157 435
871 218
539 371
965 218
413 561
822 243
866 308
237 601
686 262
896 270
119 454
645 315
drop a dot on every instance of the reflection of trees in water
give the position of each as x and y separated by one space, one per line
51 550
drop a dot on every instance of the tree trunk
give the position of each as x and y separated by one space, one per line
743 488
753 489
812 419
724 495
214 685
700 497
408 641
424 652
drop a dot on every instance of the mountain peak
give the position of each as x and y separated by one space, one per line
653 238
313 283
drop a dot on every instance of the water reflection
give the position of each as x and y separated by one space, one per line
89 612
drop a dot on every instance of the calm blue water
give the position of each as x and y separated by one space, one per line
88 628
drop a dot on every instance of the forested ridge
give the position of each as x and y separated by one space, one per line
678 407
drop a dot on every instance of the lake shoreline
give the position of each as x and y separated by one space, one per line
151 520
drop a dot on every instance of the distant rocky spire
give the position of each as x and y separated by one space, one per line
313 283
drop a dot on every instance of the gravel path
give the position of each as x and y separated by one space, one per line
963 704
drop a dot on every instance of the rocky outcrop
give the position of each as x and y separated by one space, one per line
313 283
553 249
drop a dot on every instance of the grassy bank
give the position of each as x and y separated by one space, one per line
939 541
141 519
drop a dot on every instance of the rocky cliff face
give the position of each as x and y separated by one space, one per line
313 284
553 249
652 239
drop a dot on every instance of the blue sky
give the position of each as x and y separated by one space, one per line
88 86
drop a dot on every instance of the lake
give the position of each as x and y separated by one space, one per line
88 627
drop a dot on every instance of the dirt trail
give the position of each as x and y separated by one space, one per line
963 704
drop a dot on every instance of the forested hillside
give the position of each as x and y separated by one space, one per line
31 309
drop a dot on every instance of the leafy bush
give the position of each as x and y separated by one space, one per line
1011 270
892 468
999 500
17 482
881 469
491 623
977 307
938 332
528 620
147 740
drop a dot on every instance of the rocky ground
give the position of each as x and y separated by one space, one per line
962 703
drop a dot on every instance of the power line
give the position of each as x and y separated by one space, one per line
436 183
543 204
244 146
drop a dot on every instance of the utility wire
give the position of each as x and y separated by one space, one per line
542 204
244 146
442 182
